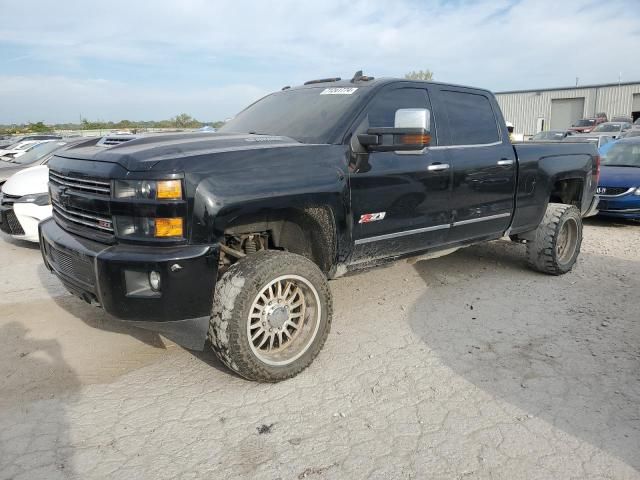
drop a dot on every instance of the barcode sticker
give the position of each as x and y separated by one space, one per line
339 91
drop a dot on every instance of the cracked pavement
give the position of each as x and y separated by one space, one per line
465 366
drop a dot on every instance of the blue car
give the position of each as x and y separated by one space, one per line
619 185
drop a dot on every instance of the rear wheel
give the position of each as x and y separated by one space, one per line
558 238
271 315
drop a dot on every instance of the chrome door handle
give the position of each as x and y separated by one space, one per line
436 167
504 162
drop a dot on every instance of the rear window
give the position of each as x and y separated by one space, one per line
471 118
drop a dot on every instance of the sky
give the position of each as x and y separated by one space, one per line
142 60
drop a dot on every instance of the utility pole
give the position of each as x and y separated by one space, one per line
577 79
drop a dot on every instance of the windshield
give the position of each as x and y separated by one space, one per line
549 136
584 123
38 152
608 127
308 115
623 155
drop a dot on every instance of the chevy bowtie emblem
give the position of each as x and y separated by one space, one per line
64 197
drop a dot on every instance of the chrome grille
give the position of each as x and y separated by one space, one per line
81 184
83 217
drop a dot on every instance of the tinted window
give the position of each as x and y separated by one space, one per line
623 155
471 118
382 111
309 115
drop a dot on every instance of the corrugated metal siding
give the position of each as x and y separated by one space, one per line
524 108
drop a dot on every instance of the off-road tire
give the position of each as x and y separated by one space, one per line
542 251
234 295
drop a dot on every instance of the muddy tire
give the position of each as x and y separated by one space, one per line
271 315
557 241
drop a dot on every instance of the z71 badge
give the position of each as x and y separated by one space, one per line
372 217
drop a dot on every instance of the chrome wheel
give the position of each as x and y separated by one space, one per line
283 320
567 241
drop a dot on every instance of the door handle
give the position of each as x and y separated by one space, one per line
504 162
436 167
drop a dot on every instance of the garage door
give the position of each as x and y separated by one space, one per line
635 108
565 112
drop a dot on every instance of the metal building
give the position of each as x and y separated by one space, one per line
558 108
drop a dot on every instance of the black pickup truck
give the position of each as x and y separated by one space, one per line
231 236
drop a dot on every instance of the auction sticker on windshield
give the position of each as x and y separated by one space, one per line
339 91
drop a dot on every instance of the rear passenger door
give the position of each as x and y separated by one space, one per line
483 162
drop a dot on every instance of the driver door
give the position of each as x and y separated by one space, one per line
400 200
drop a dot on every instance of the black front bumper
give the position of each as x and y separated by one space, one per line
96 272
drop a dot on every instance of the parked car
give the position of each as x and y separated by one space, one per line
18 149
35 156
235 233
19 212
622 119
619 185
586 125
612 129
551 136
12 140
598 140
24 202
634 132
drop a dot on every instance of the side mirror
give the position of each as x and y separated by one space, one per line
411 132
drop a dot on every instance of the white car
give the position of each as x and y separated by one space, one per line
24 202
18 149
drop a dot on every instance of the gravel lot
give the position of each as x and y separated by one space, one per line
466 366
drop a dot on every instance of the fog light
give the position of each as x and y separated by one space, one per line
154 280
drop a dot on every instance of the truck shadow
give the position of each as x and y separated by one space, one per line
93 316
31 413
566 354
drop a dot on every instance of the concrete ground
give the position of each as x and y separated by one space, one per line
466 366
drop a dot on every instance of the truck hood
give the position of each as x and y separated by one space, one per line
30 180
169 151
619 176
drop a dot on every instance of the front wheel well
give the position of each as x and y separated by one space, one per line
310 232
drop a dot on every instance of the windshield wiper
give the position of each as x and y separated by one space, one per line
618 165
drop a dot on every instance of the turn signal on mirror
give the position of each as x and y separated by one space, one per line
419 139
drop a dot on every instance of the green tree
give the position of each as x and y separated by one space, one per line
185 121
419 75
39 127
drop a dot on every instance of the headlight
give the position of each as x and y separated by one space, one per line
143 227
148 189
637 191
40 199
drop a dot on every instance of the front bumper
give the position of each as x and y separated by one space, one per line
101 274
27 216
626 206
593 208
